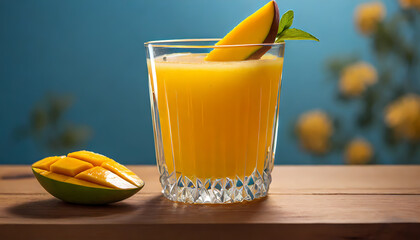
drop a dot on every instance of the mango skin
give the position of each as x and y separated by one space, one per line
78 194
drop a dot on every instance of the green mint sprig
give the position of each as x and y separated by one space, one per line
287 33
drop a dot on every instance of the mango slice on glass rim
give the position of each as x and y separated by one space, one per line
260 27
86 177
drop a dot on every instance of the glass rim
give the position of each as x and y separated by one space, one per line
171 43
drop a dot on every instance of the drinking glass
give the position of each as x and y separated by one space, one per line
214 122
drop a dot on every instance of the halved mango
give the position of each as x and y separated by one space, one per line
74 193
76 179
260 27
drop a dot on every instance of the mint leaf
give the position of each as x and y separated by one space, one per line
286 33
294 34
286 21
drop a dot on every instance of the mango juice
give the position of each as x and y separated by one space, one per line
217 119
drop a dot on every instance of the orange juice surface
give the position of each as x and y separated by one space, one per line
217 119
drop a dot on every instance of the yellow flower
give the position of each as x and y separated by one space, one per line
368 15
358 151
410 4
403 116
314 130
355 78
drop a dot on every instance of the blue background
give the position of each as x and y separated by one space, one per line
94 51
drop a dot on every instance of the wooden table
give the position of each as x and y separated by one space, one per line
305 202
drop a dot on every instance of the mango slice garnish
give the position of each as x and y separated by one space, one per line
260 27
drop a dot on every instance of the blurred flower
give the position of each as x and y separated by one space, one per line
358 151
403 116
356 77
368 15
410 4
314 130
48 127
38 119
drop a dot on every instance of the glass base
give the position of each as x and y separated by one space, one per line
215 191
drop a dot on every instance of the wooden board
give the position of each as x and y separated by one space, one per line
305 202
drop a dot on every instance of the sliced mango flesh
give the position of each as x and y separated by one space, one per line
94 158
40 171
57 176
70 166
123 172
104 177
260 27
83 183
80 168
46 162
